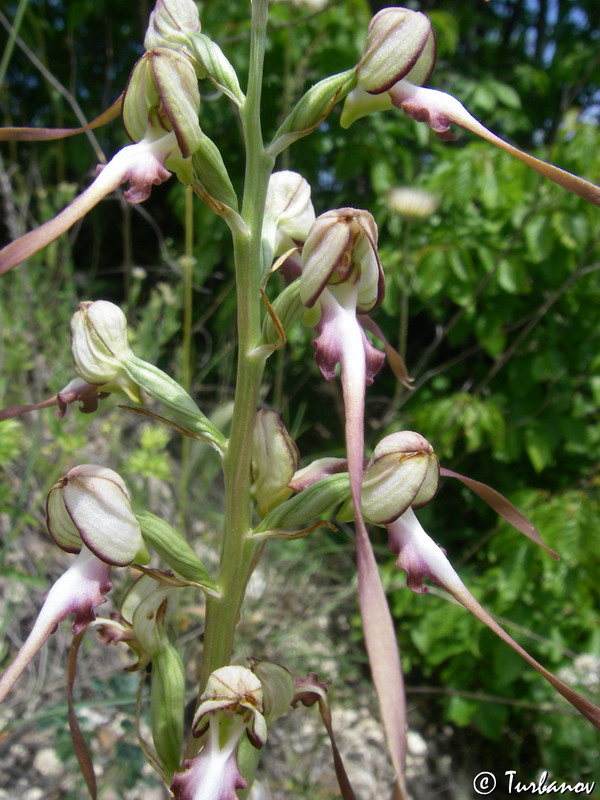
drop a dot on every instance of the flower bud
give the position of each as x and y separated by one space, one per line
91 506
400 44
289 213
99 346
341 248
403 472
171 21
275 459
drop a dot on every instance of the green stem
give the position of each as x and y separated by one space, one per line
238 553
186 354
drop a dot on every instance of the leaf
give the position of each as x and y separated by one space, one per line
538 448
461 711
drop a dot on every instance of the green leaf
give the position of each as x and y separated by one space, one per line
538 448
461 711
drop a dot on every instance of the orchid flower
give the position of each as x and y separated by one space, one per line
402 475
141 164
421 558
230 706
342 276
398 57
103 357
88 512
160 113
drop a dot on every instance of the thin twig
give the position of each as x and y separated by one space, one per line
59 88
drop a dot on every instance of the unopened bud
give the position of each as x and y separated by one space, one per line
99 346
403 472
275 459
171 22
91 506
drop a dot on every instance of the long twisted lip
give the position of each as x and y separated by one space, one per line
141 164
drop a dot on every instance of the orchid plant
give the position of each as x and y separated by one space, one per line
334 281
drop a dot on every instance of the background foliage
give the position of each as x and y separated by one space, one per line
495 297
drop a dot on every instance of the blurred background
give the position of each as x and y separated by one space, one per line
493 291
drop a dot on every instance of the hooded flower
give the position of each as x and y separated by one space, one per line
397 59
342 276
142 165
231 704
421 558
100 346
160 109
89 513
